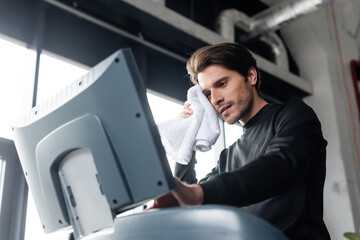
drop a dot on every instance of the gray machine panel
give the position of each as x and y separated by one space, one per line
114 94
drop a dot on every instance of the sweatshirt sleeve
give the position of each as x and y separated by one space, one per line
186 173
290 156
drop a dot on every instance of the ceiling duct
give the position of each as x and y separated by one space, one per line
226 27
277 16
281 85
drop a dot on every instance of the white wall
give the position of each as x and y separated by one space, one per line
325 62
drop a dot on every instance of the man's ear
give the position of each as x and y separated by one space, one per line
252 76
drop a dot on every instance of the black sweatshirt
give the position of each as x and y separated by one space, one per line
276 170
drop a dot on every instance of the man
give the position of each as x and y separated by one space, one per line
276 170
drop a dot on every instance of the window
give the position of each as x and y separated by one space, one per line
16 76
16 84
55 74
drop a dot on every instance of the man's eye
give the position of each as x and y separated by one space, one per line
222 83
208 95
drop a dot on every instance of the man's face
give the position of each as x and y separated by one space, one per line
229 93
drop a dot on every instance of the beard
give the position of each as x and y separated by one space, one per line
243 107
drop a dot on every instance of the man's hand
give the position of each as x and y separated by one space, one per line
183 195
188 194
186 111
165 201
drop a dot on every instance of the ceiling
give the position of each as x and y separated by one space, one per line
87 31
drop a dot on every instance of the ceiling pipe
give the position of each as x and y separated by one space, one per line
226 27
277 16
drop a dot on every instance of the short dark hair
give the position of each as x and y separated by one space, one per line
232 56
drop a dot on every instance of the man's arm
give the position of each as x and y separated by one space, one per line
183 195
289 157
186 173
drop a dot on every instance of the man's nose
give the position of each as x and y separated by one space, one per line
216 98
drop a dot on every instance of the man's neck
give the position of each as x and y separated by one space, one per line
258 104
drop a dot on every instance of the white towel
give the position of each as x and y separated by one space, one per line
182 136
